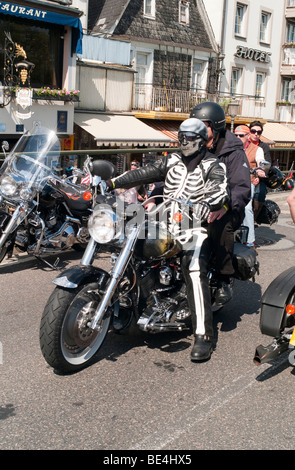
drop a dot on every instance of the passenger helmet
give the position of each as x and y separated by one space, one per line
211 112
192 136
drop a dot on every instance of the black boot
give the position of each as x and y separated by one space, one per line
202 348
224 293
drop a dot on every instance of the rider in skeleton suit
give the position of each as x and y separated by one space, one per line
198 175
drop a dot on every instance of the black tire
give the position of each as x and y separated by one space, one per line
3 252
67 343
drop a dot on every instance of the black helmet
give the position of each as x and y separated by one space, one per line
274 178
288 184
211 112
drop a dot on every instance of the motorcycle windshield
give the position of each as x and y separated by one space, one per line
33 159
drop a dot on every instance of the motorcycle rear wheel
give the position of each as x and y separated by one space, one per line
67 343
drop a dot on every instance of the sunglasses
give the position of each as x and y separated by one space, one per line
188 136
241 135
253 131
133 164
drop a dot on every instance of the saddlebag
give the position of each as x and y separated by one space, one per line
245 262
269 213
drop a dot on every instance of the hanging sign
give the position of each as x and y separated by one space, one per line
24 100
24 97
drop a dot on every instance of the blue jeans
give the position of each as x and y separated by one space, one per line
260 192
249 218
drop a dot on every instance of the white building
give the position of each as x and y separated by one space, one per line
250 35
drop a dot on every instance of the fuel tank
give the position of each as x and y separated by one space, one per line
73 198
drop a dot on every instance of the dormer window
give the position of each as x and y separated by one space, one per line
184 12
149 8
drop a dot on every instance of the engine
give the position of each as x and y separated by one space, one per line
163 302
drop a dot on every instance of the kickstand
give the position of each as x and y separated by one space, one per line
52 266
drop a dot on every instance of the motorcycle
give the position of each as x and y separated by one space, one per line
270 211
144 289
277 318
288 182
41 212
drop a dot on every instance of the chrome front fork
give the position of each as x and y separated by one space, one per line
18 216
117 273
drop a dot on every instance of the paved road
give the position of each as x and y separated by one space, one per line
144 392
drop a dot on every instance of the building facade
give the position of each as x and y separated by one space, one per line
256 40
249 34
39 42
173 52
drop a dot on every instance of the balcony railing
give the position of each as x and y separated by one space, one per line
285 112
148 98
289 54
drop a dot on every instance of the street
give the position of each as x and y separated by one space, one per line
143 392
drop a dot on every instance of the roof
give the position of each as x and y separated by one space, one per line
108 16
279 134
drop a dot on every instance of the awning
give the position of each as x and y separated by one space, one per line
41 14
282 136
168 128
120 130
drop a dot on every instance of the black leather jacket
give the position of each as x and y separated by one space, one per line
183 177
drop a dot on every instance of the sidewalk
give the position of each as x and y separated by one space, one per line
267 237
280 198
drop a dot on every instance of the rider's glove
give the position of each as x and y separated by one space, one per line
202 210
110 185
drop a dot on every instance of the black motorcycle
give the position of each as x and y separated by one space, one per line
270 211
40 212
277 318
143 287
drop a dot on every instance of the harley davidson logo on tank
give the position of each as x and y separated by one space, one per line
252 54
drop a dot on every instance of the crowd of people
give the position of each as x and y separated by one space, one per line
216 163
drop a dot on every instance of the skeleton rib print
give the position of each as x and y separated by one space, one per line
193 185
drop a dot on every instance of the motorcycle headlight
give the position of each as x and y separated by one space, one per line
101 225
8 186
26 194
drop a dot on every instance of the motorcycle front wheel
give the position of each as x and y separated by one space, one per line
67 343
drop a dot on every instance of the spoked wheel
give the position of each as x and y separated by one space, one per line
67 342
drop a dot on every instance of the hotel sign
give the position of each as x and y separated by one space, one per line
252 54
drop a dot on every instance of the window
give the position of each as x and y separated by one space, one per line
34 37
235 81
259 86
183 12
198 70
149 8
264 35
291 3
285 89
291 32
141 67
240 19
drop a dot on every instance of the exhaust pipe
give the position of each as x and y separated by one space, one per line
264 354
